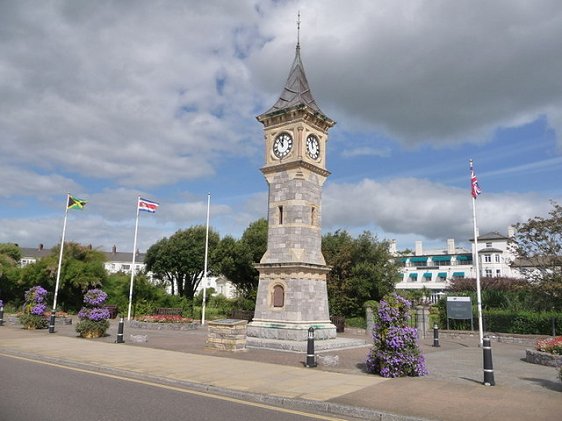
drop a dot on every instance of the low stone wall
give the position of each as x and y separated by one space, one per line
508 338
543 358
163 326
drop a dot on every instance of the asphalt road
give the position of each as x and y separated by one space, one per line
37 391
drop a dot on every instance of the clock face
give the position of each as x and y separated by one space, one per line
282 145
313 146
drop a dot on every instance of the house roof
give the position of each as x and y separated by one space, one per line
490 250
491 236
296 92
35 253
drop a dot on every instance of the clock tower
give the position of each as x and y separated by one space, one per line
292 294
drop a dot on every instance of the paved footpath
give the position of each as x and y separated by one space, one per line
452 391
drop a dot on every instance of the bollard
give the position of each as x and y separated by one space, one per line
120 339
52 323
310 360
436 336
488 365
2 316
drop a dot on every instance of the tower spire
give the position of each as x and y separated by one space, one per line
299 30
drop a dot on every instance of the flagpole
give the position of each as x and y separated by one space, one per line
206 258
133 263
476 259
52 321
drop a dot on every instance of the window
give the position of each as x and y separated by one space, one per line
497 256
126 267
489 245
280 215
313 216
489 273
488 258
498 273
278 296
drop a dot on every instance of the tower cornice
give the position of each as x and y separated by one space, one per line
290 165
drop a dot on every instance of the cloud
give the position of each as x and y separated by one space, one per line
439 72
121 99
366 151
423 209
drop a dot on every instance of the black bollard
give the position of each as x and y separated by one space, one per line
488 365
120 339
310 358
52 323
2 316
436 336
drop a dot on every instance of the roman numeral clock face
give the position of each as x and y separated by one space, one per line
313 146
282 145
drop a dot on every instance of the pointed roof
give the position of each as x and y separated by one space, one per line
296 91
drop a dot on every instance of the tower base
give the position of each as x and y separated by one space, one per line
290 331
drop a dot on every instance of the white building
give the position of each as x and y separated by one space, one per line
435 269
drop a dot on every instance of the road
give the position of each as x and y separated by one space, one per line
36 391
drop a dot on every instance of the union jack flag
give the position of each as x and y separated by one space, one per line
147 205
474 187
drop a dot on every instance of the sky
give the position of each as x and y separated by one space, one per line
109 100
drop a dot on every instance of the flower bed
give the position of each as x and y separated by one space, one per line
34 309
93 315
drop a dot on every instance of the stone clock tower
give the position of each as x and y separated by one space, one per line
292 294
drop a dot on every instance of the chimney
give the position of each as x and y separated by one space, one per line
451 246
392 247
41 246
419 248
114 249
511 231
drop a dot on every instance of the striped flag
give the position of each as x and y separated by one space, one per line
147 205
474 187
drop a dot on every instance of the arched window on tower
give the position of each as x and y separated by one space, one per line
278 296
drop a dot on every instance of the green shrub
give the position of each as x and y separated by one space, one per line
33 321
358 322
95 327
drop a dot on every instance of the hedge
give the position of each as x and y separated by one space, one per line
507 321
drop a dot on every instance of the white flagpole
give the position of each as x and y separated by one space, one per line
52 326
133 263
476 259
206 258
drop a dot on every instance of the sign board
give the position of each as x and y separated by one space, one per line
459 308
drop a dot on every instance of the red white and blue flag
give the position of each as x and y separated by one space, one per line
147 205
474 187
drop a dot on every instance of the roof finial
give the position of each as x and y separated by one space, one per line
299 30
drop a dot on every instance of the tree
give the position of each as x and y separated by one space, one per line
180 258
10 288
538 245
362 269
237 258
82 269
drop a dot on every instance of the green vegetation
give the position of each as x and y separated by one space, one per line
362 270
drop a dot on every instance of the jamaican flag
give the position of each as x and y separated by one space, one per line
75 203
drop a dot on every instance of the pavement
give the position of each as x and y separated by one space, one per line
339 386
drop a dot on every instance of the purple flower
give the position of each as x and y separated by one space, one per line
395 351
38 309
95 297
37 294
95 314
